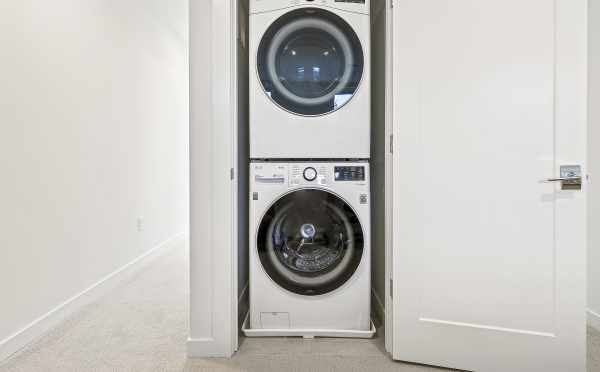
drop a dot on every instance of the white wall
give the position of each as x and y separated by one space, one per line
93 134
594 165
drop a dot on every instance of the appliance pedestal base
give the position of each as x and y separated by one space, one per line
307 333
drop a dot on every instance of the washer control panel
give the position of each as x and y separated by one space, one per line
271 175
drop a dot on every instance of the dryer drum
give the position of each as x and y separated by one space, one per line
310 242
310 62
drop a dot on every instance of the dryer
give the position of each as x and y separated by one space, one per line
310 254
310 79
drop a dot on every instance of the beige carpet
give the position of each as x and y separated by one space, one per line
142 326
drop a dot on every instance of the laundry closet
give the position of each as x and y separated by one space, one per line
407 169
309 241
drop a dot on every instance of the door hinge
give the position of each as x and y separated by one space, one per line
391 143
391 3
232 173
392 288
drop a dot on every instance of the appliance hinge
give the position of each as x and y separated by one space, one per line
232 173
391 3
391 143
392 288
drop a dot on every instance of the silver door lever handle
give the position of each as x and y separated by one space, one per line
561 179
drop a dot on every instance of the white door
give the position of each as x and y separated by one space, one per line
489 261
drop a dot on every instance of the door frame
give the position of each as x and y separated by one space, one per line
213 305
389 176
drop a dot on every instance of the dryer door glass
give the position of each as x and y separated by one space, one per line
310 242
310 62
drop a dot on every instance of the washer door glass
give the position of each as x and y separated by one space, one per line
310 62
310 242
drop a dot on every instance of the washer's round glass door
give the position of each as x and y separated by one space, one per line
310 242
310 62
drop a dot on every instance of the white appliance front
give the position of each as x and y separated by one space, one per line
310 81
309 247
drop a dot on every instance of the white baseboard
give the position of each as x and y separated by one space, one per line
377 306
44 323
593 319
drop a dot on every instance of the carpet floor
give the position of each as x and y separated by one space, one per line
142 326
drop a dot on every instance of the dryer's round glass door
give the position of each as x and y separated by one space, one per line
310 62
310 242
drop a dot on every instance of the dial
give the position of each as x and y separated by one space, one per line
310 174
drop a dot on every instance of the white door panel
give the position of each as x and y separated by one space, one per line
485 277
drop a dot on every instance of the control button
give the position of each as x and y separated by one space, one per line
310 174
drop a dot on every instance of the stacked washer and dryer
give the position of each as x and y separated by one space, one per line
310 115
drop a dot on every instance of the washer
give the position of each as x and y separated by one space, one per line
310 254
309 79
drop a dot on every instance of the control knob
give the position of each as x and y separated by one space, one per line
310 174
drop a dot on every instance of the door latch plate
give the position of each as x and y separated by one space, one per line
572 175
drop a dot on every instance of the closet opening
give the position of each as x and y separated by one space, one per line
379 148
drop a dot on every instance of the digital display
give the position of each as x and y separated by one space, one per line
356 173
